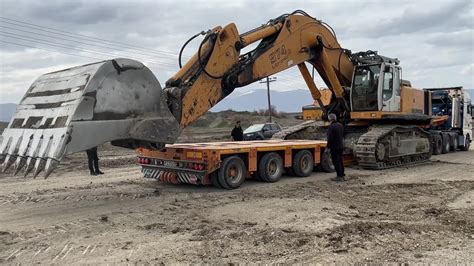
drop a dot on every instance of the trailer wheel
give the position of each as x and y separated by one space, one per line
446 143
232 172
326 162
270 167
437 144
467 143
214 179
303 163
453 142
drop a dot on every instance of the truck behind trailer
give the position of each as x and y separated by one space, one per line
456 132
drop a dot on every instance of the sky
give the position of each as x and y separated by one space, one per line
434 40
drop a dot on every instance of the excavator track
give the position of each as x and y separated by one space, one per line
387 146
307 130
377 147
317 130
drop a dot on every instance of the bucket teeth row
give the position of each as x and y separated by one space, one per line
32 152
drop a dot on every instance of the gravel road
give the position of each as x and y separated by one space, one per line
419 214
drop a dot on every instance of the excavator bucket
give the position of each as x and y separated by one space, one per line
79 108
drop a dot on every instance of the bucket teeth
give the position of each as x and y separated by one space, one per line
19 163
39 166
5 146
51 164
2 154
9 160
30 164
22 153
41 160
12 154
32 155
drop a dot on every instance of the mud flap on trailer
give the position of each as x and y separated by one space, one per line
173 177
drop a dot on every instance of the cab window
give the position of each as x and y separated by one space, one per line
387 90
397 79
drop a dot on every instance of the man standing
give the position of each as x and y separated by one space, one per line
93 161
335 137
237 133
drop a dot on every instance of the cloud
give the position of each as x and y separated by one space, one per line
463 39
76 12
440 17
468 70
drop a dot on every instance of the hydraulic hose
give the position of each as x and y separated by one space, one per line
185 44
203 67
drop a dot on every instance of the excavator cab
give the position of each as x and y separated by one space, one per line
376 86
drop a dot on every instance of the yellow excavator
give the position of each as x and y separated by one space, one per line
121 101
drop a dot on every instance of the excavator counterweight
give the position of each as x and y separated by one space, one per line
79 108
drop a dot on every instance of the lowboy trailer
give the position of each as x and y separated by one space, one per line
228 164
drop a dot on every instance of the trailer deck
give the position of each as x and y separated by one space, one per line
201 163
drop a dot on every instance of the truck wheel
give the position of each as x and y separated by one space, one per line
437 144
446 143
303 163
232 172
326 162
270 167
467 144
214 179
454 142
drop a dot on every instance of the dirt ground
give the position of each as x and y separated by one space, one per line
419 214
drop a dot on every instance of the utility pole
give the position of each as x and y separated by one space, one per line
268 80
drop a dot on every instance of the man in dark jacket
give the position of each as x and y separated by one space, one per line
237 133
335 137
93 161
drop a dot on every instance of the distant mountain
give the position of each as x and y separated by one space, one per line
6 111
286 101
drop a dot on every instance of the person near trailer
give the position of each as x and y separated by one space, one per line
335 139
237 133
93 161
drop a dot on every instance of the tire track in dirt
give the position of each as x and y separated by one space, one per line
398 215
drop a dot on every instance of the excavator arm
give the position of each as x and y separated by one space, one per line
287 41
121 101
